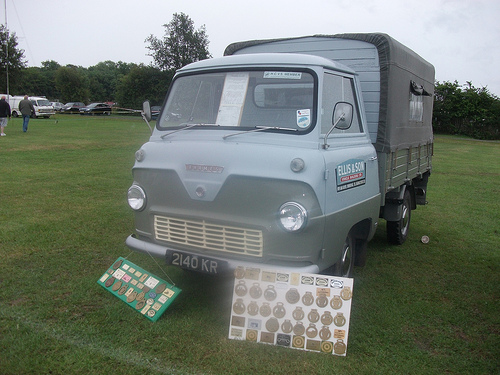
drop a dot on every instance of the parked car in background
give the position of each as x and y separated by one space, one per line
72 107
96 109
57 106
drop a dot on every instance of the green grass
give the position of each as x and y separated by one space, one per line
417 309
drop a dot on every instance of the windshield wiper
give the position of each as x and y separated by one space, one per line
259 129
186 126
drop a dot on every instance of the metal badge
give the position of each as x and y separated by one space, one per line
283 340
326 347
238 321
287 326
255 291
267 337
322 301
239 306
279 310
298 342
265 309
336 302
339 334
339 319
240 289
140 304
346 293
292 296
239 272
299 329
123 289
117 285
131 297
109 282
313 345
327 318
308 299
325 333
313 316
311 331
251 335
272 325
270 293
140 296
339 347
253 308
117 264
160 288
151 313
298 313
268 276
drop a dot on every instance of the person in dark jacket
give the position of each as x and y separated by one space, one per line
26 108
4 114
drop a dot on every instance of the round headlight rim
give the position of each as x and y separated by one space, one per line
303 213
142 194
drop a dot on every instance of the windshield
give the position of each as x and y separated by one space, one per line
248 99
41 102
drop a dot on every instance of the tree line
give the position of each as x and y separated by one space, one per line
458 109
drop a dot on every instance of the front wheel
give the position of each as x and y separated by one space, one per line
344 267
397 231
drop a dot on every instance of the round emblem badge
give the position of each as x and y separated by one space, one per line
240 289
279 310
255 291
325 333
313 316
326 318
239 306
339 320
251 335
336 302
265 309
339 347
308 299
322 301
311 331
287 326
298 313
151 313
346 293
326 347
298 342
253 308
270 293
272 325
299 329
292 296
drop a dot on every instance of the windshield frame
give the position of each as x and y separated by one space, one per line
244 69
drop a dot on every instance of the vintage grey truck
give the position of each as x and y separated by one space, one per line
285 153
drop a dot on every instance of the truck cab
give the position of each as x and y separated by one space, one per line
258 159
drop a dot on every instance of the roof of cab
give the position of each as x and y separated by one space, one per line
267 59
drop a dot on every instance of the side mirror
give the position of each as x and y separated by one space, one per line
342 116
342 119
146 110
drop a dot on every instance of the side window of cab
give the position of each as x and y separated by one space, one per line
338 89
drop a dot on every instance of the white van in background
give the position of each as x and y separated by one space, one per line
42 106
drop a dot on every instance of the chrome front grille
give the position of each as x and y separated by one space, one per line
206 236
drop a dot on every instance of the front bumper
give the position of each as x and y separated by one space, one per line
161 252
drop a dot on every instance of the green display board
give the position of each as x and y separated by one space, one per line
138 288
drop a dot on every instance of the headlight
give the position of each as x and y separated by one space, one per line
293 216
136 198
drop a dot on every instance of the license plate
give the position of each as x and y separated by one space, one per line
196 262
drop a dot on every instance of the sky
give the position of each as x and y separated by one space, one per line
461 38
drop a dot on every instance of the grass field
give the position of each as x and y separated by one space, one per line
417 309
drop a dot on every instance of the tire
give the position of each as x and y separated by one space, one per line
397 231
345 266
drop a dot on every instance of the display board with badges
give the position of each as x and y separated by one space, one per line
296 310
138 288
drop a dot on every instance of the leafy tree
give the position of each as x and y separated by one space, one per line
181 44
11 58
466 110
72 83
143 83
104 79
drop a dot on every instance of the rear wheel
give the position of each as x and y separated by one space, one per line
397 231
344 267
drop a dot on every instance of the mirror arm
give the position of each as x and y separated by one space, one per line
325 144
